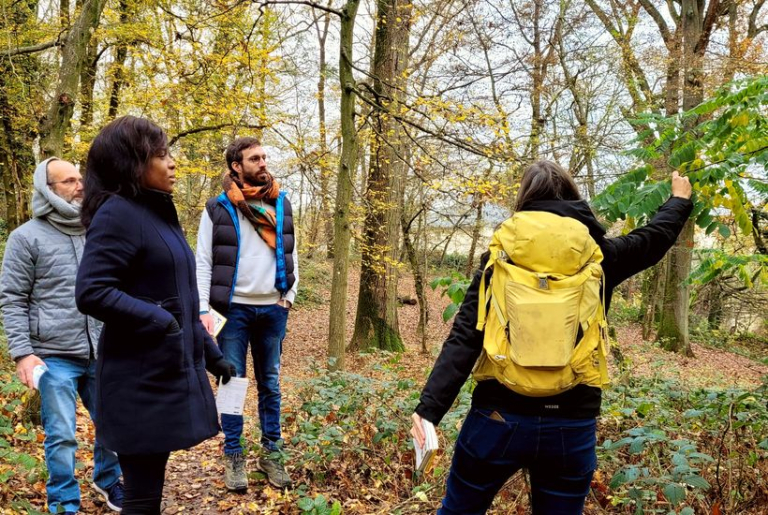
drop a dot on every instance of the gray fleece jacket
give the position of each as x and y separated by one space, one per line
37 283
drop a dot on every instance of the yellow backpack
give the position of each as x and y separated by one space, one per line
543 315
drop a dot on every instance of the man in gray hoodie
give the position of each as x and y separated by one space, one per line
44 328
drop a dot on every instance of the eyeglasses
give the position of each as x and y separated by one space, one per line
256 159
69 182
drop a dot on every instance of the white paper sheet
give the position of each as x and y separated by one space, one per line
230 398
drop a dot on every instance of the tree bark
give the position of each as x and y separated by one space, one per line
347 163
54 127
418 278
118 72
376 323
325 172
537 122
475 236
19 94
696 27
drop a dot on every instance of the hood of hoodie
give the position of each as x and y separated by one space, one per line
46 204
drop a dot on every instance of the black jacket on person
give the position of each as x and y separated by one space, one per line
623 257
226 248
137 275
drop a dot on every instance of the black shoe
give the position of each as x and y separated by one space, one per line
113 497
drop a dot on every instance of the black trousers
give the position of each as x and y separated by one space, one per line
143 478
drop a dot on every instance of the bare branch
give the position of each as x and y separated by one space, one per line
753 29
32 48
314 5
713 13
208 128
659 19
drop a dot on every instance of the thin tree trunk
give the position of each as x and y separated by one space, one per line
87 86
74 56
341 228
418 278
325 171
537 122
475 237
652 297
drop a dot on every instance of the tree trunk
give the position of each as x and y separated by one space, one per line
537 122
475 237
696 28
673 328
418 279
347 163
715 311
325 172
17 160
652 301
74 56
117 81
376 323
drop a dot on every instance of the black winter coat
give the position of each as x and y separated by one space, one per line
137 275
623 257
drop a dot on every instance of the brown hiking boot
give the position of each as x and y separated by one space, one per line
275 471
234 472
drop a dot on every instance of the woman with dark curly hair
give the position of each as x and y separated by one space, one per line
137 275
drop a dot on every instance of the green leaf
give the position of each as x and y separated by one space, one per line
320 501
687 511
618 479
696 481
684 154
449 311
701 456
637 446
724 230
305 504
674 493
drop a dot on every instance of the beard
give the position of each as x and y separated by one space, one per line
258 178
76 202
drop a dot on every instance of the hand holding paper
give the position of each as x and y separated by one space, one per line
230 398
425 443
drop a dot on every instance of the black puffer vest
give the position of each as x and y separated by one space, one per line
226 243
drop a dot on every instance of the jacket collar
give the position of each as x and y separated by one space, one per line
159 201
576 209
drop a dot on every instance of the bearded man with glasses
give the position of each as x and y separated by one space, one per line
45 328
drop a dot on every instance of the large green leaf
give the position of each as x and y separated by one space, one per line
674 493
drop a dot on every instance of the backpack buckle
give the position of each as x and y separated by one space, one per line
543 282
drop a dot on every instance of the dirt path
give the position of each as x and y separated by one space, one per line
194 480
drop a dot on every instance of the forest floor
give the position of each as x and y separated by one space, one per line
195 477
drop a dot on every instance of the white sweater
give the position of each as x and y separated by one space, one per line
256 267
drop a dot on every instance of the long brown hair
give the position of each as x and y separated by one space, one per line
545 180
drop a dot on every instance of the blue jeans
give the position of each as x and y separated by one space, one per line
59 387
264 327
558 453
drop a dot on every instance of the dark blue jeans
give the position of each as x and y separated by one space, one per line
559 454
264 328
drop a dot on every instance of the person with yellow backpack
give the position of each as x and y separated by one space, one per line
532 330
